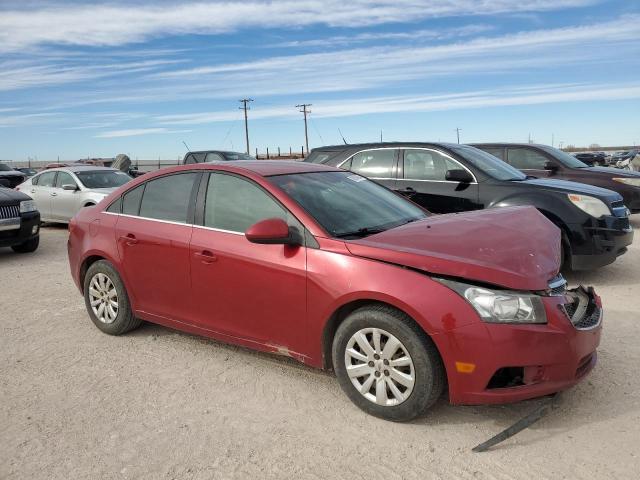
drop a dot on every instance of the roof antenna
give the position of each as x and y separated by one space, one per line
345 142
185 144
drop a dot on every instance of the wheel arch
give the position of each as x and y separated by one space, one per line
342 312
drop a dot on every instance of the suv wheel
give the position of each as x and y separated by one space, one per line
107 301
386 364
28 246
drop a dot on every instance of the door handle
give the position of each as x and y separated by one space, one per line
407 191
129 239
54 194
206 256
33 190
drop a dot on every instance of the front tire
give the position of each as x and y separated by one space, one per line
386 364
107 301
28 246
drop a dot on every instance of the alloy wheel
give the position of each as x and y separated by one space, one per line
379 366
103 298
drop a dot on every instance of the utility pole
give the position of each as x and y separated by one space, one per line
305 112
458 134
245 107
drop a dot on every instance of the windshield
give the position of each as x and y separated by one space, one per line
563 157
5 168
347 205
237 156
103 178
488 164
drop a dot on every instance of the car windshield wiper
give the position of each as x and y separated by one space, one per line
361 232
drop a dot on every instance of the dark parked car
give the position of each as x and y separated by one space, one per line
28 172
329 268
593 159
10 177
206 156
547 162
19 221
446 178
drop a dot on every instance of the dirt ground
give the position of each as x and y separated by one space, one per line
76 403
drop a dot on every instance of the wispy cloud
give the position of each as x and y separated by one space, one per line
118 24
136 132
504 96
409 35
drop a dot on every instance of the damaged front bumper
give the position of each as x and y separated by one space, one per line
527 361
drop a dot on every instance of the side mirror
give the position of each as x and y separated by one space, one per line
458 175
272 231
552 167
69 186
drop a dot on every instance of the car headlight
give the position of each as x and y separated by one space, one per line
500 306
590 205
634 182
28 206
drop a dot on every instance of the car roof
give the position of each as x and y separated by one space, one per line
350 146
80 168
507 144
216 151
264 168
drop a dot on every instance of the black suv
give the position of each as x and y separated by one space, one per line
19 221
9 177
446 178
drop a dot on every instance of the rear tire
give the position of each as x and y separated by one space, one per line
107 300
28 246
397 383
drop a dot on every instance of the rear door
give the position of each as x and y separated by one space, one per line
242 289
422 178
41 192
153 235
530 161
64 203
379 165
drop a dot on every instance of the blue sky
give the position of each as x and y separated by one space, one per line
82 79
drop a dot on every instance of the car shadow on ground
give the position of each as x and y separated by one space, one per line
568 415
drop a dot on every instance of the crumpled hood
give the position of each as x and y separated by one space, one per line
515 247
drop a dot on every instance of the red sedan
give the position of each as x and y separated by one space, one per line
338 272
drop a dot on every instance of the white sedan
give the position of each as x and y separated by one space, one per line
60 192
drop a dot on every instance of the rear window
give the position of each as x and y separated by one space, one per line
168 198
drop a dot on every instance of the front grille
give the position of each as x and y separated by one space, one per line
10 211
583 313
557 286
621 223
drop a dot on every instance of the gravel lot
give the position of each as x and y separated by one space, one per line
75 403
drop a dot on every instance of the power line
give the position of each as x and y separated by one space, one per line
245 107
313 124
305 112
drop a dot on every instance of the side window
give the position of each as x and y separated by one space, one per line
213 157
235 204
525 158
495 151
131 201
194 158
427 165
35 180
64 179
46 179
374 163
168 198
115 206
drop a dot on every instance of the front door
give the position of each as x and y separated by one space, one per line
153 235
422 179
531 162
64 203
41 192
249 291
